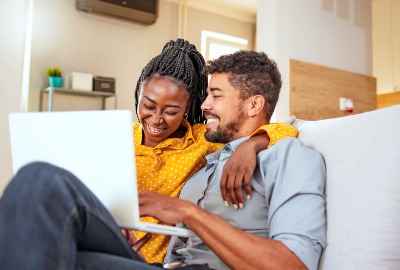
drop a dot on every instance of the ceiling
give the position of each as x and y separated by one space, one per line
248 5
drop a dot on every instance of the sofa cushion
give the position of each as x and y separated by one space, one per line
362 156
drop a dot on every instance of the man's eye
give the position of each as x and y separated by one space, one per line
216 96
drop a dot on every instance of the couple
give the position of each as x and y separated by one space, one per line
49 219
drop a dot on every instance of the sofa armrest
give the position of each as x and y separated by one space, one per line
362 156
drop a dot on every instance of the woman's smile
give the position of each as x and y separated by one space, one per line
155 130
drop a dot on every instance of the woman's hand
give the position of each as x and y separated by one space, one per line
134 243
239 169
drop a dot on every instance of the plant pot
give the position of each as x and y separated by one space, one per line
56 82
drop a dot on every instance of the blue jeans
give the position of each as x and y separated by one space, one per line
50 220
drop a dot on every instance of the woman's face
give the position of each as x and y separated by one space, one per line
162 105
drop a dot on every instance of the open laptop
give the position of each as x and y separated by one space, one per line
97 147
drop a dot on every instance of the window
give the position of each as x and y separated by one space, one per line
213 44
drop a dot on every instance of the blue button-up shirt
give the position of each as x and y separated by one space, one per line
287 203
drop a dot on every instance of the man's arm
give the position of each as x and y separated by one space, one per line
238 249
294 184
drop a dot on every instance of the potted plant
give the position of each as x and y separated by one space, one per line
55 78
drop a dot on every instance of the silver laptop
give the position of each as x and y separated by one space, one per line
96 146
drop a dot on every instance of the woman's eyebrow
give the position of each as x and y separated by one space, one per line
153 101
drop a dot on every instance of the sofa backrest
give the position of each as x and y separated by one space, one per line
362 156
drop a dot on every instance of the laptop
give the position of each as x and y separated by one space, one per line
97 147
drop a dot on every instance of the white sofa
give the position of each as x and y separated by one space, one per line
362 156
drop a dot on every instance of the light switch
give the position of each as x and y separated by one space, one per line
346 104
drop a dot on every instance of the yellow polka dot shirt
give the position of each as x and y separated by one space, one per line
166 167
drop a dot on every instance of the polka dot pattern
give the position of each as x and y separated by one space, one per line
166 168
277 131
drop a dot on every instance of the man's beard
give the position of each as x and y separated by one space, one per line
225 134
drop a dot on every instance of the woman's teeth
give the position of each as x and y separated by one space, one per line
155 130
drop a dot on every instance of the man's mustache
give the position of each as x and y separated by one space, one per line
211 114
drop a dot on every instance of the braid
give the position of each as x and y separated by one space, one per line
180 60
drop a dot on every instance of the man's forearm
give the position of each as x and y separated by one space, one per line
238 249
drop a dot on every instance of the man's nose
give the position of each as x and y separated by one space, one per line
206 104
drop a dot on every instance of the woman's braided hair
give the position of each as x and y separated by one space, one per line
181 61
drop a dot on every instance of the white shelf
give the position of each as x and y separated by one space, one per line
95 94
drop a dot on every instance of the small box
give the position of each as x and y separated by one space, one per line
79 81
103 84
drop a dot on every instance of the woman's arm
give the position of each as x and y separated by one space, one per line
239 168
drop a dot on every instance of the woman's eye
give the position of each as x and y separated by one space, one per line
171 113
148 107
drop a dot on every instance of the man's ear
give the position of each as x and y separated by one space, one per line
256 105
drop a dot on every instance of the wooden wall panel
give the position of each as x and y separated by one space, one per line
389 99
315 91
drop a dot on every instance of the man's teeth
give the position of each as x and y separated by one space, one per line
155 130
211 120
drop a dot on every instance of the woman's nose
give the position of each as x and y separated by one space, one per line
157 119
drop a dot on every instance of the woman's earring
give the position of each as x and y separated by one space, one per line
186 116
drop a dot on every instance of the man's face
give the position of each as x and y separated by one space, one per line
223 110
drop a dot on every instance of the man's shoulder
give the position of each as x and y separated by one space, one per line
290 146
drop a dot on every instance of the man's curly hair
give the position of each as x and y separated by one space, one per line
252 73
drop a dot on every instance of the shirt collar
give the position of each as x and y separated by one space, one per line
225 152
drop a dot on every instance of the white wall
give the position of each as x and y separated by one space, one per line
82 42
77 41
12 30
333 33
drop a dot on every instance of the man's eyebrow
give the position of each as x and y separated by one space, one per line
170 106
215 89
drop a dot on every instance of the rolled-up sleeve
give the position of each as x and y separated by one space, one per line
297 204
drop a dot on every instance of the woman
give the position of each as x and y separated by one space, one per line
170 144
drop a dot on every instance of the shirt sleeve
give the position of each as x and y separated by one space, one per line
297 204
276 132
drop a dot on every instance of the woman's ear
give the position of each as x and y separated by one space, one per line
256 104
189 104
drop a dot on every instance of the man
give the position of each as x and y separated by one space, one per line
281 227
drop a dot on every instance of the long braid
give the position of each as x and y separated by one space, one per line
180 60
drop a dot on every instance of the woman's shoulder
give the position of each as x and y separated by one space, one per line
198 130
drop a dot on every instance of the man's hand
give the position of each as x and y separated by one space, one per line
167 209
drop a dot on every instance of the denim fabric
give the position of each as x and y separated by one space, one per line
50 220
47 215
